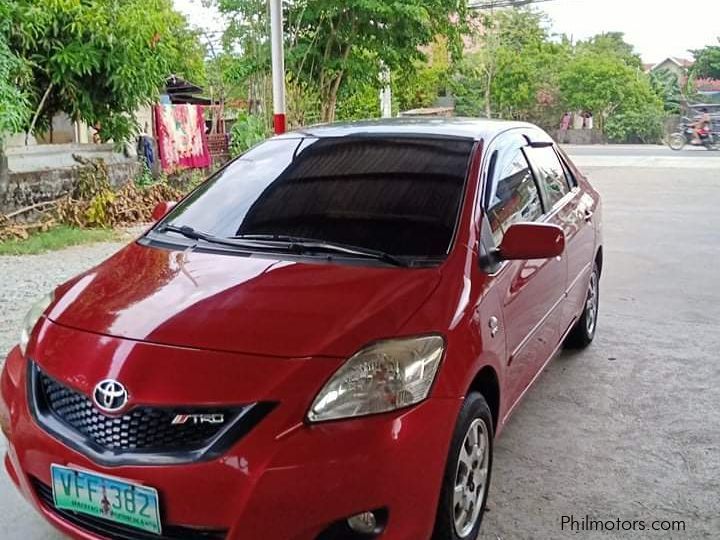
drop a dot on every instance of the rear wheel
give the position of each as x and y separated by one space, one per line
677 141
467 473
584 331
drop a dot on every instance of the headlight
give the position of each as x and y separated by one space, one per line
382 377
31 319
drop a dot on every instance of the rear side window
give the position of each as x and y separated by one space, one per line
550 173
513 195
399 195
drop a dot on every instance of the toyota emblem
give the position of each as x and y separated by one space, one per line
110 396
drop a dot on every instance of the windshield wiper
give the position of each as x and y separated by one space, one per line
194 234
301 244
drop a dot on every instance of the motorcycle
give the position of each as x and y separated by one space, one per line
708 139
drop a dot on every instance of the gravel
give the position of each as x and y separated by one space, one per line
26 278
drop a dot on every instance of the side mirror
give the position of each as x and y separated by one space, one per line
524 241
161 209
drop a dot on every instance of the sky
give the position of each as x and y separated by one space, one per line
657 28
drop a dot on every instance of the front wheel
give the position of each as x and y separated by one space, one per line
467 473
677 141
584 331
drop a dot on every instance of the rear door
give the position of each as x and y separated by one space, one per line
570 208
531 291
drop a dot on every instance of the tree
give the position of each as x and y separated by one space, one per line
666 86
513 72
14 103
100 60
611 44
605 85
427 79
707 62
330 43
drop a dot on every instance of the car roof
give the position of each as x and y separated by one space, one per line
467 128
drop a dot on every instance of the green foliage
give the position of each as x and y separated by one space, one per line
519 72
56 238
302 101
513 74
643 124
666 86
332 44
606 85
596 83
145 178
358 101
247 131
14 102
707 62
611 44
96 214
421 85
100 60
469 86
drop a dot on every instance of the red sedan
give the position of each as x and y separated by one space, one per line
320 342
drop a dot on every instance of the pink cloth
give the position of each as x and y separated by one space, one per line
182 142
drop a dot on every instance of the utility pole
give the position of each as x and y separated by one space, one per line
278 65
385 92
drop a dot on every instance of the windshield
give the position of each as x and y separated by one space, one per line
396 195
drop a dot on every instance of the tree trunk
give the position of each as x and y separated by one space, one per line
3 167
488 108
331 89
37 113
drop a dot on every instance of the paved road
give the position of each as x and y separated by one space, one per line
648 156
640 151
628 429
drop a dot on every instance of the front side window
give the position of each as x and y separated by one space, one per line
513 195
551 174
398 195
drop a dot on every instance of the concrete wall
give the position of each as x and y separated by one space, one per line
579 136
45 172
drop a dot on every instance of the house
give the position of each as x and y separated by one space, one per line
677 66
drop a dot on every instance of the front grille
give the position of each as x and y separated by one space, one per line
142 434
143 428
117 531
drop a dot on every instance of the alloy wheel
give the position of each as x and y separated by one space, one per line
471 477
591 305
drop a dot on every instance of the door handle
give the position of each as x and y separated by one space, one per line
494 325
588 215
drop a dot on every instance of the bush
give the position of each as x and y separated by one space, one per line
643 125
358 101
247 131
94 203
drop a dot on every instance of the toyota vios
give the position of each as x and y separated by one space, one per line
320 342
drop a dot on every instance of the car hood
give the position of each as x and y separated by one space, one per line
241 304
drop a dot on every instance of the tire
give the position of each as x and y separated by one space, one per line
677 141
583 332
474 423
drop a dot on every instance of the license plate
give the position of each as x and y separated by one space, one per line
106 497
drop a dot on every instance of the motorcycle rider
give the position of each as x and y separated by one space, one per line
702 123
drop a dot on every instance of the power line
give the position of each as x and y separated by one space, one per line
491 4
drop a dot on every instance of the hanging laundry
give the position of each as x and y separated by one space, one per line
145 150
182 142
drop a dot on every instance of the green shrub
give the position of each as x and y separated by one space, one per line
247 131
642 125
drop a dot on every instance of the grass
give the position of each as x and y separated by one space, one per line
56 238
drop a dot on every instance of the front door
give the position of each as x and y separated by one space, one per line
571 209
532 291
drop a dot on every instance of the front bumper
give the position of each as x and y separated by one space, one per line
284 480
